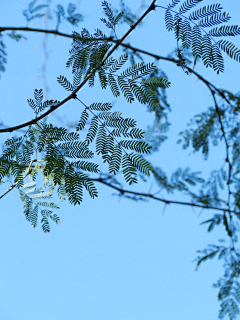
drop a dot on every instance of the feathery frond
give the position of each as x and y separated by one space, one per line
187 5
230 49
205 11
191 37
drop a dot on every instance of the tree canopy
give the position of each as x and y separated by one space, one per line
45 161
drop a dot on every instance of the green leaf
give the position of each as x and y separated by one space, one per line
83 120
129 170
65 83
115 163
230 49
92 130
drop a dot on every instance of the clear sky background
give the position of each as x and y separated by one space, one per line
110 258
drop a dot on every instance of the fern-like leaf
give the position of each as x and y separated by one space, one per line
115 163
113 85
136 133
187 34
140 163
125 88
129 170
196 42
173 4
30 12
218 62
77 79
34 216
206 50
101 138
86 166
214 20
168 20
58 173
155 83
83 120
151 97
88 185
138 146
45 223
108 11
102 78
225 31
65 83
137 91
92 130
178 27
205 11
117 64
73 187
139 70
100 106
187 5
230 49
108 149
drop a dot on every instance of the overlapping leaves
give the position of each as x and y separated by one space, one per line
191 31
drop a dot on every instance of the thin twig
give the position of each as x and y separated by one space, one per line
229 165
151 196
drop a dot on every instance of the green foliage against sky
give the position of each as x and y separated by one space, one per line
67 159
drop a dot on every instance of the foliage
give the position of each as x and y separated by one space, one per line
32 11
192 32
65 161
72 17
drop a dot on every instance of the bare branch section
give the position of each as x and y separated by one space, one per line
73 94
229 166
151 196
35 30
15 184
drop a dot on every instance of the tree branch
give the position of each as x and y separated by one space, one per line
134 49
35 30
148 195
229 166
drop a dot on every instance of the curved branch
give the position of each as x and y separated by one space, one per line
151 196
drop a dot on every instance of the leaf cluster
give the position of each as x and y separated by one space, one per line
33 11
70 15
192 32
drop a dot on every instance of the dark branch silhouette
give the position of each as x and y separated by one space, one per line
166 201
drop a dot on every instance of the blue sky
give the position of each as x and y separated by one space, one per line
110 258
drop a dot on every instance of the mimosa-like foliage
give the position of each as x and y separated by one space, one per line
105 146
193 32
